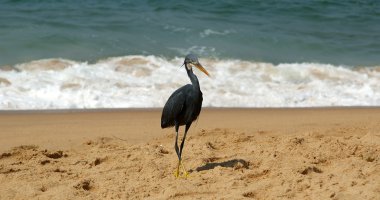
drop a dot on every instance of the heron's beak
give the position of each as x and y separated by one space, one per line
200 67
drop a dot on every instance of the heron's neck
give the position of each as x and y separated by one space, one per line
193 79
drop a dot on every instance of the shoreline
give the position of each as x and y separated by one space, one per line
160 108
69 128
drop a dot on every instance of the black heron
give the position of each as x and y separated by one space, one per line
184 106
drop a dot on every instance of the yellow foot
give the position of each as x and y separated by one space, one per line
176 174
184 173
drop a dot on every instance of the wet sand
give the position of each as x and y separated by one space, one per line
317 153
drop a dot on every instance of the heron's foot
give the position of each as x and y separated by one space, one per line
184 173
176 172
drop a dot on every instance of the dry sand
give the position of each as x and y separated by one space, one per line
322 153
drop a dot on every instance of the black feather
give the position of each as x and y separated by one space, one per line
183 106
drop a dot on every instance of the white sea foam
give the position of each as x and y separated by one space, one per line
176 28
208 32
147 81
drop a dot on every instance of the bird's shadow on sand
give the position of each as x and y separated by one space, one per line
230 163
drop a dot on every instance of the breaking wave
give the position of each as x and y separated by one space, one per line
147 81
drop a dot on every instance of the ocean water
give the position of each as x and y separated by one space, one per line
123 54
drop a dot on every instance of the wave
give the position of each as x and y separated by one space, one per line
208 32
147 81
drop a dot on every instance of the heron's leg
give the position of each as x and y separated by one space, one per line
183 140
176 141
176 173
180 151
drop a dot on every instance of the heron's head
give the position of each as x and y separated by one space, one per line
192 60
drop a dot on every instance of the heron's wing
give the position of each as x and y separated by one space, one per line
173 107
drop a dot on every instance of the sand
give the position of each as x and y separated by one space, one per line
319 153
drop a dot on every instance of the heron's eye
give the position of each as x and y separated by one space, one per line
190 65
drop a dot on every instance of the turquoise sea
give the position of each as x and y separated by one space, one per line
70 54
321 31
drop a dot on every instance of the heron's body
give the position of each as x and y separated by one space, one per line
184 105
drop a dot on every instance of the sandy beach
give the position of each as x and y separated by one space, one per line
300 153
